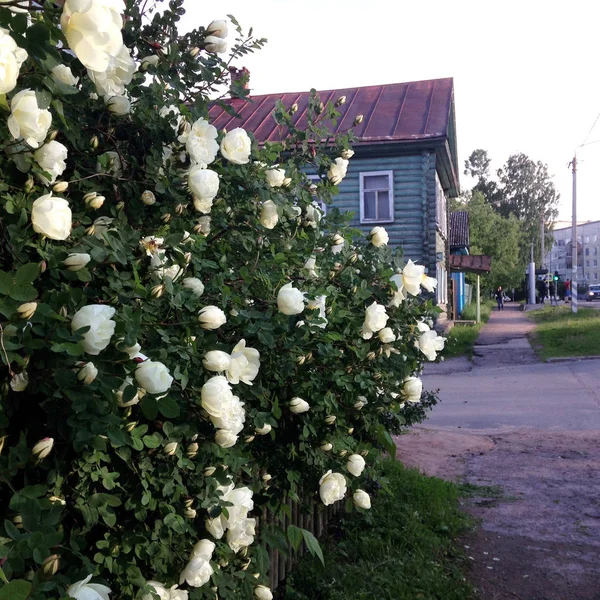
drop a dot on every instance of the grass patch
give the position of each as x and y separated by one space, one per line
404 548
560 333
462 338
471 490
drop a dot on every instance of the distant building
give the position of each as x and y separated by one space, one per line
559 258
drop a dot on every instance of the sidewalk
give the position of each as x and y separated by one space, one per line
503 339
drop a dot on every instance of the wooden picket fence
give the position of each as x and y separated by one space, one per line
316 520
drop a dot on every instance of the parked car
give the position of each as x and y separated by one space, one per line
593 292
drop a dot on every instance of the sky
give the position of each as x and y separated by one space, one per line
526 76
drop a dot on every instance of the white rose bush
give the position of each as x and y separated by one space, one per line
181 350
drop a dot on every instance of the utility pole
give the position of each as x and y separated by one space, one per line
574 239
542 244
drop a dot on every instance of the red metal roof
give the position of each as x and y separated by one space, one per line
415 111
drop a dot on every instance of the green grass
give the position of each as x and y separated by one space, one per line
404 548
462 338
560 333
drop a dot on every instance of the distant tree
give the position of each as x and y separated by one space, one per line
498 237
477 166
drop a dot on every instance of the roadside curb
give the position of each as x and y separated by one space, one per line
559 359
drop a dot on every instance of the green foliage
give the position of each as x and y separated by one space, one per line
124 493
404 548
560 333
498 237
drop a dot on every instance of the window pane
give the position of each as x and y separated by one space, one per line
376 182
383 205
370 208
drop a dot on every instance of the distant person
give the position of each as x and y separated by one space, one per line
567 290
543 290
500 297
552 293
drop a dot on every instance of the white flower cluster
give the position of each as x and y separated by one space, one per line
410 280
239 527
429 342
225 410
241 365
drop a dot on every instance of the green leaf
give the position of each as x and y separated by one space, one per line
18 589
23 293
27 273
385 439
149 407
295 536
312 545
168 407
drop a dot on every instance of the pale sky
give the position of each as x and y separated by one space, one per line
525 72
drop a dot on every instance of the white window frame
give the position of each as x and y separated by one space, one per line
390 176
317 201
441 207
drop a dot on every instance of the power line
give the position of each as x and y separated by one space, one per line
591 129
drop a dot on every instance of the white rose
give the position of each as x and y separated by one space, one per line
87 373
84 590
11 59
212 43
148 61
201 143
113 80
63 74
332 487
275 177
360 403
264 430
43 448
412 389
159 589
319 304
337 244
311 266
245 363
225 438
27 120
361 499
77 261
232 417
347 154
216 527
93 30
412 276
262 592
326 447
216 360
203 183
379 237
268 214
375 319
241 534
399 293
386 335
19 381
355 464
18 6
119 105
218 28
211 317
51 158
148 197
131 351
203 549
429 344
236 146
298 406
119 394
197 572
429 283
312 216
290 301
216 395
98 317
154 377
193 284
337 170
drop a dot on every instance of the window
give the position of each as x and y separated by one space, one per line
587 239
316 200
587 263
377 197
587 251
596 262
595 275
561 242
595 238
595 252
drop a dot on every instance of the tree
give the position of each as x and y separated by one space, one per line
527 192
184 342
478 167
496 236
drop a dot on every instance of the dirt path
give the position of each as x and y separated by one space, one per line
536 490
